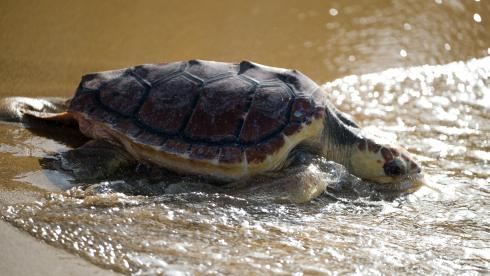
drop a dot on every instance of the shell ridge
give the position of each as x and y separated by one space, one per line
271 83
167 77
187 119
172 75
218 77
246 111
245 65
146 93
139 79
249 79
290 106
191 77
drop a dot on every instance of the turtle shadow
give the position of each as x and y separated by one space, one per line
67 134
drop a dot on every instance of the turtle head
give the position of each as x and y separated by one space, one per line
383 163
368 156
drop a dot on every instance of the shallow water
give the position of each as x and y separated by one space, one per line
439 112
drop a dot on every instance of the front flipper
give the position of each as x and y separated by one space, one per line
95 160
301 182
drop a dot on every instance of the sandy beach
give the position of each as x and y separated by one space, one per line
22 254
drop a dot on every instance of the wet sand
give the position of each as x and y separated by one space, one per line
21 254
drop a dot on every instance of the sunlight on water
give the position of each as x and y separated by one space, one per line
439 112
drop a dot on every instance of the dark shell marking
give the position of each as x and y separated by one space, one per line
207 110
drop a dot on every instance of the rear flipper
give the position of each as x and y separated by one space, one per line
95 160
301 182
22 109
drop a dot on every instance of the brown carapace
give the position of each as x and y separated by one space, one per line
223 119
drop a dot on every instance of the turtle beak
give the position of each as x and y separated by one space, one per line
413 168
413 182
408 183
415 176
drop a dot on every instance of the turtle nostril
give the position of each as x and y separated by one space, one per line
415 168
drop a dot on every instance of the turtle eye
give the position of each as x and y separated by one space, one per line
394 168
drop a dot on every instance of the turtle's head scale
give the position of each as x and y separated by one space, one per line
383 163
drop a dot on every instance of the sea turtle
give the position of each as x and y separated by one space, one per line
226 121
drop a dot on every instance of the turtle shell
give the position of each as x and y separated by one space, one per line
222 119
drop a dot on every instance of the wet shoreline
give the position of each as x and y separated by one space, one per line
21 248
